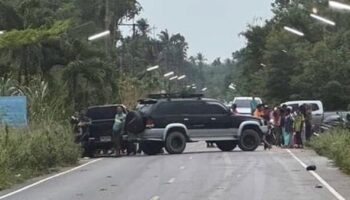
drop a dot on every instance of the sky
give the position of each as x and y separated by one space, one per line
210 27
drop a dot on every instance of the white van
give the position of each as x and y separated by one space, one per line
243 104
316 107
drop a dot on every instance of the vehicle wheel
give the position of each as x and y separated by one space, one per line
151 148
88 151
249 140
175 143
134 123
226 145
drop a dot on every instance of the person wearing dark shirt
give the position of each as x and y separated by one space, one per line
234 109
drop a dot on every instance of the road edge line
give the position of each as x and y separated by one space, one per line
318 177
47 179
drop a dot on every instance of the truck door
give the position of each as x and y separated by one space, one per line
317 114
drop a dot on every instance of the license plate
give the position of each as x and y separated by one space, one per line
105 138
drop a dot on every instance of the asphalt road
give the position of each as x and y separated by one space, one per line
200 173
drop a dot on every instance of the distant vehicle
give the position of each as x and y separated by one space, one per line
243 104
316 107
170 121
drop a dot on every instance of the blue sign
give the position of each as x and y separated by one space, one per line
13 111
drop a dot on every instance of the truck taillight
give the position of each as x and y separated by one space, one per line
149 123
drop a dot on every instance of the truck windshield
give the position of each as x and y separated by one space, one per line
243 103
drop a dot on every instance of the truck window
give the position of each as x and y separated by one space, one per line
193 107
215 108
295 107
314 107
168 108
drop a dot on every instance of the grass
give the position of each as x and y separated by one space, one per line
336 146
35 151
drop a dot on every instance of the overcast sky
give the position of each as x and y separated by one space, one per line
209 26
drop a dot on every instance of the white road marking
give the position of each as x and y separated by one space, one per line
155 198
318 177
190 158
182 167
172 180
47 179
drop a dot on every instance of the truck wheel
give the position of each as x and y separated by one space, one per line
175 143
226 145
151 148
88 151
249 140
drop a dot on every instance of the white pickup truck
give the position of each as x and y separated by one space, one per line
317 110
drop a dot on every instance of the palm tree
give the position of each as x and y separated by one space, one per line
143 26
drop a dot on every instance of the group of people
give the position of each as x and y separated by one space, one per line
288 128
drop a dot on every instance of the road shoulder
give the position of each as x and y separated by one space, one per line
326 169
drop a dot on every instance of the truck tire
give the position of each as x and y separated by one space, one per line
151 148
88 151
226 145
134 123
249 140
175 142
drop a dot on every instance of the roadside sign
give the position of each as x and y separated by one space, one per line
13 111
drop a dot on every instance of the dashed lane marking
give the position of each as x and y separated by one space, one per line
155 198
182 167
172 180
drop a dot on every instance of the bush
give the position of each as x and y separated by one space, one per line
26 153
336 146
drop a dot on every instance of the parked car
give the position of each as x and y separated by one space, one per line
97 134
335 120
243 104
316 107
171 121
331 122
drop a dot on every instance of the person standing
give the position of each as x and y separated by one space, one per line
276 116
117 129
253 105
288 128
234 109
259 112
298 126
308 122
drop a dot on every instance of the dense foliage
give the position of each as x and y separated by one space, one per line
48 40
280 66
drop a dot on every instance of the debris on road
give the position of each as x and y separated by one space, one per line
311 168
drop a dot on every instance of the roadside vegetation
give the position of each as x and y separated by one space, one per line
279 66
35 151
336 146
42 147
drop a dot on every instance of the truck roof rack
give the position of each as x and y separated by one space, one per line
175 96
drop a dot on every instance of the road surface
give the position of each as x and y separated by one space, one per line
198 174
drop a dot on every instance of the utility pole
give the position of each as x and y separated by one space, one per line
106 24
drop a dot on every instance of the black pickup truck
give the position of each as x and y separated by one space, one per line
170 121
